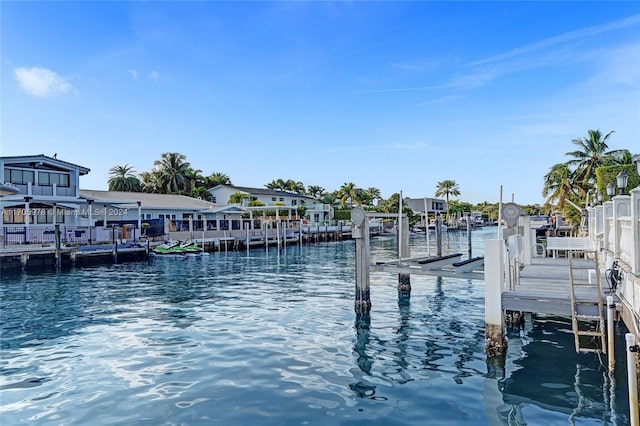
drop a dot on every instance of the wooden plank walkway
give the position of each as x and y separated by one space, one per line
544 286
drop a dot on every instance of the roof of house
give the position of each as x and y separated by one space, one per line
155 201
264 191
32 160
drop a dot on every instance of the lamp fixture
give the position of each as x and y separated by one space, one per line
611 189
621 180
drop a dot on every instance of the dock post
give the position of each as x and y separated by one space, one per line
469 233
246 236
632 378
496 344
361 236
611 312
438 232
404 280
56 234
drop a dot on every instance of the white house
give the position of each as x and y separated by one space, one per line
44 183
315 210
269 197
179 212
433 205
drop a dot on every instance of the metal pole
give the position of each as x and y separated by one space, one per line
632 378
611 311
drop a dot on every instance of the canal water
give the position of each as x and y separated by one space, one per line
270 337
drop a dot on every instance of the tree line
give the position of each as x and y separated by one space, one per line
565 186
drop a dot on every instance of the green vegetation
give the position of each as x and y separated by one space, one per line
587 172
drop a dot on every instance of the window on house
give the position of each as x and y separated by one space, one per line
213 200
294 202
18 176
281 199
273 198
47 178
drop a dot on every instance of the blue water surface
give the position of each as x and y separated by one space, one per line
268 337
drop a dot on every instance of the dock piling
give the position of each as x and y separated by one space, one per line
611 312
632 378
496 344
404 279
360 233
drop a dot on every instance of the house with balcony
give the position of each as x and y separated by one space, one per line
46 194
316 211
43 184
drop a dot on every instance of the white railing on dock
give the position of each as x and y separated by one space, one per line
620 241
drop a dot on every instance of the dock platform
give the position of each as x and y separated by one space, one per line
545 287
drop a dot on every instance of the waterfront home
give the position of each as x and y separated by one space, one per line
49 196
45 184
269 197
171 212
316 211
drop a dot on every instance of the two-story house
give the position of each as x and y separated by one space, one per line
316 211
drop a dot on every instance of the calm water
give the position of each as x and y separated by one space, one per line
270 338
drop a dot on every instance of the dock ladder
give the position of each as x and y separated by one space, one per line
587 309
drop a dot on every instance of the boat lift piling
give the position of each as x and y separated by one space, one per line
360 233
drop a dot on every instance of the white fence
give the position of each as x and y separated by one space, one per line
619 240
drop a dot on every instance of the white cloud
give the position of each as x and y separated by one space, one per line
134 74
42 82
563 38
154 75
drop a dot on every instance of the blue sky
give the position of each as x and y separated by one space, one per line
392 95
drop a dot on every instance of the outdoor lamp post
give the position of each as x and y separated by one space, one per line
611 189
599 196
621 180
636 161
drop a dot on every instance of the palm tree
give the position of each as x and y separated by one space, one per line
174 170
237 198
195 179
348 191
559 186
295 187
152 181
374 194
217 178
122 178
315 191
592 153
280 184
447 188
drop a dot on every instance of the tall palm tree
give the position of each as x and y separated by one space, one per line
348 191
123 178
374 194
174 169
447 188
559 186
217 178
315 191
195 179
592 153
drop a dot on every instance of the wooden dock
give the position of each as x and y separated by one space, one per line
545 286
